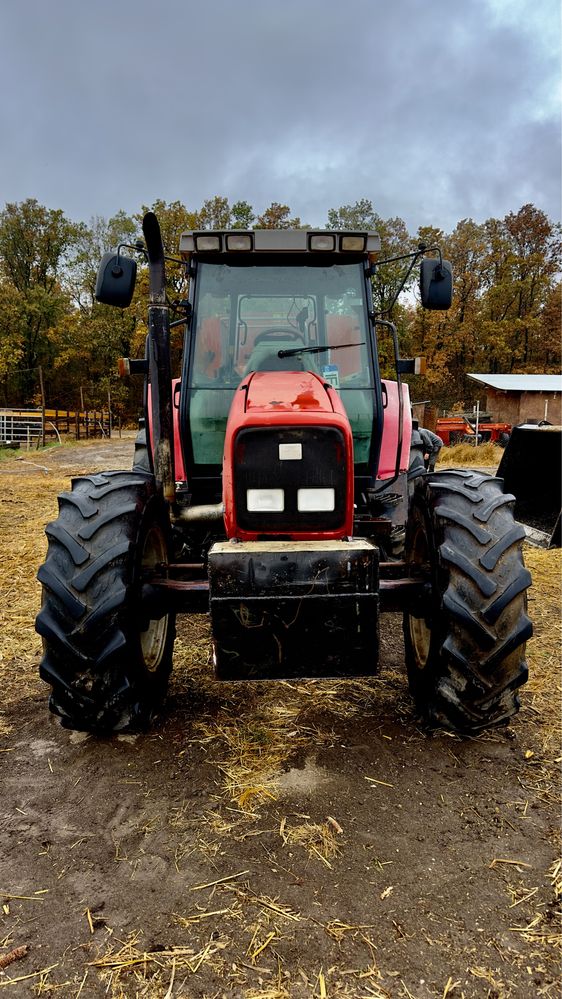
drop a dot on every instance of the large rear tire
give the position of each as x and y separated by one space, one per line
107 646
465 642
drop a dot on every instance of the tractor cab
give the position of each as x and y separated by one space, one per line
297 307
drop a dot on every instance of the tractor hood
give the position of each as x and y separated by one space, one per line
287 392
288 459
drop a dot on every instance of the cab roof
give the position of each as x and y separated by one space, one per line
308 241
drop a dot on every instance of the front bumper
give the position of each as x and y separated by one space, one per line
286 609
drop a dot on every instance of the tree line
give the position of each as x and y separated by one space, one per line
505 315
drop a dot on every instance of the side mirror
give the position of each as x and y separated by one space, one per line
116 280
436 283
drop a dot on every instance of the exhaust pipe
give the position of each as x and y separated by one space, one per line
191 514
159 361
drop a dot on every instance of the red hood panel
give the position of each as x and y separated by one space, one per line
287 392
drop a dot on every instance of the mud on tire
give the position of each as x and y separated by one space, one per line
107 649
465 643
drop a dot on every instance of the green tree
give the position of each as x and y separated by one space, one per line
35 246
242 215
174 219
358 217
93 240
395 241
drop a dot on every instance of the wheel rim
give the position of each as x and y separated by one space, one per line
420 631
153 638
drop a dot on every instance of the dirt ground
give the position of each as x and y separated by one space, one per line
270 841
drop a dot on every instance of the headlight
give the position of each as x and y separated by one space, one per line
316 500
321 241
203 243
353 243
240 241
265 500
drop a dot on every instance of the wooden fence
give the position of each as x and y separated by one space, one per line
32 427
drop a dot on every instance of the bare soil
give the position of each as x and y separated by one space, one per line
269 840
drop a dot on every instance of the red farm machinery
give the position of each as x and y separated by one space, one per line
278 485
460 430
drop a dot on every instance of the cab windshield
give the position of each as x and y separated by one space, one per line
244 314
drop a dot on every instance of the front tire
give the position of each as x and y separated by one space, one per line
465 642
107 646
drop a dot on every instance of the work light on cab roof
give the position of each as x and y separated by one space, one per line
278 240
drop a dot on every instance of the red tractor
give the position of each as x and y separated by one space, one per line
278 484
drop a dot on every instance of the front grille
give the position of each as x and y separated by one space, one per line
257 466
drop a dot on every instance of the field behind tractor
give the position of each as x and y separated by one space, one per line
269 841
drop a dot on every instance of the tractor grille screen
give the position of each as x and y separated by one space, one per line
258 465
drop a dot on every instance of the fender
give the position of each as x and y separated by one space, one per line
178 456
389 442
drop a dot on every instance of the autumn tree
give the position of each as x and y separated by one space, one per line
505 314
215 214
523 261
277 216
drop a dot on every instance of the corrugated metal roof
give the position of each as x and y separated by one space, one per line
521 383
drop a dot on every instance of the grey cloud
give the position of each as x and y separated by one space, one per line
433 112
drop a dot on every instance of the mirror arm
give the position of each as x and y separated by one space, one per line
414 255
415 258
141 248
138 246
439 274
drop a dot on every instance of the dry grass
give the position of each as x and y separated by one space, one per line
155 972
544 650
320 840
259 729
27 503
252 733
483 456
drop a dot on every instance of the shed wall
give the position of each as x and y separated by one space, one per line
518 407
532 406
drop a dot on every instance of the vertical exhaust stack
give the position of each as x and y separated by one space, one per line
159 361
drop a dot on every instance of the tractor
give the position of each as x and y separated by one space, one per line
278 485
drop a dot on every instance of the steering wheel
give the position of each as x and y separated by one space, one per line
278 333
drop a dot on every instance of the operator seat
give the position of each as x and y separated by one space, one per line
265 354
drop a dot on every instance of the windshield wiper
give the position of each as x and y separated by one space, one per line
293 351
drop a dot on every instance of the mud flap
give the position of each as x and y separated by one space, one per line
286 609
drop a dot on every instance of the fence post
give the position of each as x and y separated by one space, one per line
42 388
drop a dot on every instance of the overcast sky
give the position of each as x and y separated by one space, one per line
433 111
